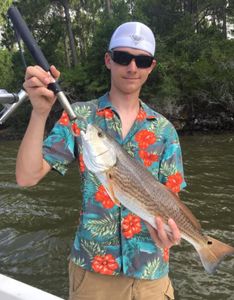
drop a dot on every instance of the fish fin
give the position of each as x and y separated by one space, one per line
111 190
212 253
185 210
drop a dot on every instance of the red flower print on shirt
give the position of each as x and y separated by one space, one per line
144 138
166 254
174 181
141 115
82 164
131 225
64 120
75 129
107 113
148 158
104 264
103 197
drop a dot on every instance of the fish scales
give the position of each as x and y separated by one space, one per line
156 194
148 193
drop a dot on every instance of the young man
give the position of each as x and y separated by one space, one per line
115 254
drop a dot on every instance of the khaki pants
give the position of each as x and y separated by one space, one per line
85 285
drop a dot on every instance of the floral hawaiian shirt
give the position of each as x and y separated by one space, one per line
111 239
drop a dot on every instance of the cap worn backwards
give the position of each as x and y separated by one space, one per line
133 35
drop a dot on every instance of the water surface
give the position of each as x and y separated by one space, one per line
37 225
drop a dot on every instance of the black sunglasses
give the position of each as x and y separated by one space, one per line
124 58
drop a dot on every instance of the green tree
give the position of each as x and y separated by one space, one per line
6 72
194 58
66 5
3 10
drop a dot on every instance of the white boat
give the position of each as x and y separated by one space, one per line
11 289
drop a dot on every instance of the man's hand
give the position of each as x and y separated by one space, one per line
161 237
30 165
36 82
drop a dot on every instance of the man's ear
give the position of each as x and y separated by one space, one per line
107 59
150 69
154 64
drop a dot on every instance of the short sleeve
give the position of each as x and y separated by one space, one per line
58 148
171 171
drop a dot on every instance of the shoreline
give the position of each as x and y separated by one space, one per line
9 136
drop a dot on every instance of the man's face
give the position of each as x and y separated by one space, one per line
128 79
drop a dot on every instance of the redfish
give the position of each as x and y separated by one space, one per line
128 182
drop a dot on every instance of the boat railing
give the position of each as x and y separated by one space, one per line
10 102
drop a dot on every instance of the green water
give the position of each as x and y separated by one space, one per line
37 225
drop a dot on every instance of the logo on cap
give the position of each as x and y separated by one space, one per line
136 38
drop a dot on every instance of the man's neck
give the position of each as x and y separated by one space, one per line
124 102
127 106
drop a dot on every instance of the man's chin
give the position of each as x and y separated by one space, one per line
131 89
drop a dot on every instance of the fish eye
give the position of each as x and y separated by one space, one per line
100 133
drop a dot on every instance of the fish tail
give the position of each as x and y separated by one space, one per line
212 253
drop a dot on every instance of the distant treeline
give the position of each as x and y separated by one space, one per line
193 83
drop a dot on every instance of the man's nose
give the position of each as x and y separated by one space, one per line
132 65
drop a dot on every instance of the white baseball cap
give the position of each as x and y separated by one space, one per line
133 35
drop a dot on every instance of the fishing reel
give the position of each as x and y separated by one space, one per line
10 102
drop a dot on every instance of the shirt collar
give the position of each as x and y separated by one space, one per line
150 113
104 102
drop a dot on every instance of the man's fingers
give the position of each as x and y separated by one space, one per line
39 73
163 234
55 73
176 236
33 82
44 92
162 237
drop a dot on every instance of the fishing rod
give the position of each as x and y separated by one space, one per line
23 31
